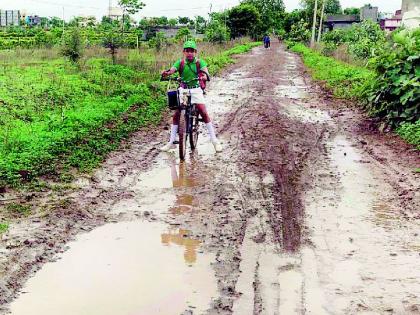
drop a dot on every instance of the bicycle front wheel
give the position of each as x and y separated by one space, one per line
182 134
194 132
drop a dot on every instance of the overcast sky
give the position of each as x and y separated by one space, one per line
169 8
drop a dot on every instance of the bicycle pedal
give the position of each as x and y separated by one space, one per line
176 142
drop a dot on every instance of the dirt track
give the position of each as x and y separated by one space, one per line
308 210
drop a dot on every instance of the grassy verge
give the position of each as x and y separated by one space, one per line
55 116
3 227
350 82
345 81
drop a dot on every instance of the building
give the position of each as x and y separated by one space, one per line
115 13
33 20
392 23
369 13
9 17
410 13
340 21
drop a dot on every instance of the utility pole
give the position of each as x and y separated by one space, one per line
109 9
320 22
314 24
62 36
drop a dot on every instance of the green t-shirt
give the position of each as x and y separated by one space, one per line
190 71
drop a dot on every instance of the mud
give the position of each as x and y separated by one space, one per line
308 210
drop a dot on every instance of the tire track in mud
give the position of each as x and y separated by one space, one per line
248 206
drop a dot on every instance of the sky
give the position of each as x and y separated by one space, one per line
168 8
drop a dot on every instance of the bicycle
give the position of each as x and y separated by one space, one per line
189 119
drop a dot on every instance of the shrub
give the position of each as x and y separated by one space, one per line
299 32
217 32
410 133
72 45
363 40
394 95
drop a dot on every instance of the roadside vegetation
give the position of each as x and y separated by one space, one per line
57 114
71 91
381 72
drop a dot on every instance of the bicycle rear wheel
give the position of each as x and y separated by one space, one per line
194 132
182 134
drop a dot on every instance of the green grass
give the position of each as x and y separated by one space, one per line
350 82
18 209
3 227
344 80
55 116
410 133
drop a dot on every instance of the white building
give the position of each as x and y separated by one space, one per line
410 13
115 13
9 17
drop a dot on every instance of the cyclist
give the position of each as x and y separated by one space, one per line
267 41
189 74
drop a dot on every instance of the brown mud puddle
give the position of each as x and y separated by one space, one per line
294 217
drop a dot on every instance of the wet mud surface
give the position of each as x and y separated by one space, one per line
307 210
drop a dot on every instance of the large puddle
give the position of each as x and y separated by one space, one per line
125 268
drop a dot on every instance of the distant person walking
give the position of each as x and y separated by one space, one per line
267 41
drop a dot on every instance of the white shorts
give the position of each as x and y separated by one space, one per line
197 96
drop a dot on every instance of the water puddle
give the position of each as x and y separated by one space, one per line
125 268
292 91
305 114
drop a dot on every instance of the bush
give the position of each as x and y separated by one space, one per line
363 40
410 133
158 41
345 80
182 34
72 45
113 41
217 32
299 32
394 95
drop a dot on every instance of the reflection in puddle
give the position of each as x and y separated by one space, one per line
180 237
123 269
183 203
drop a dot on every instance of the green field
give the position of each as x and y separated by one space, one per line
55 115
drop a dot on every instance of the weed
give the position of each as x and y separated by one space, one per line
4 227
19 209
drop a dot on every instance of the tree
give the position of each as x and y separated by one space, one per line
271 11
163 20
113 41
173 22
183 33
72 45
242 20
55 22
200 24
183 20
158 41
292 18
131 7
331 7
352 11
217 32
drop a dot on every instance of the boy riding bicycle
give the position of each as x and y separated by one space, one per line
191 70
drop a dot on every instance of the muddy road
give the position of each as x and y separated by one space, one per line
307 211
